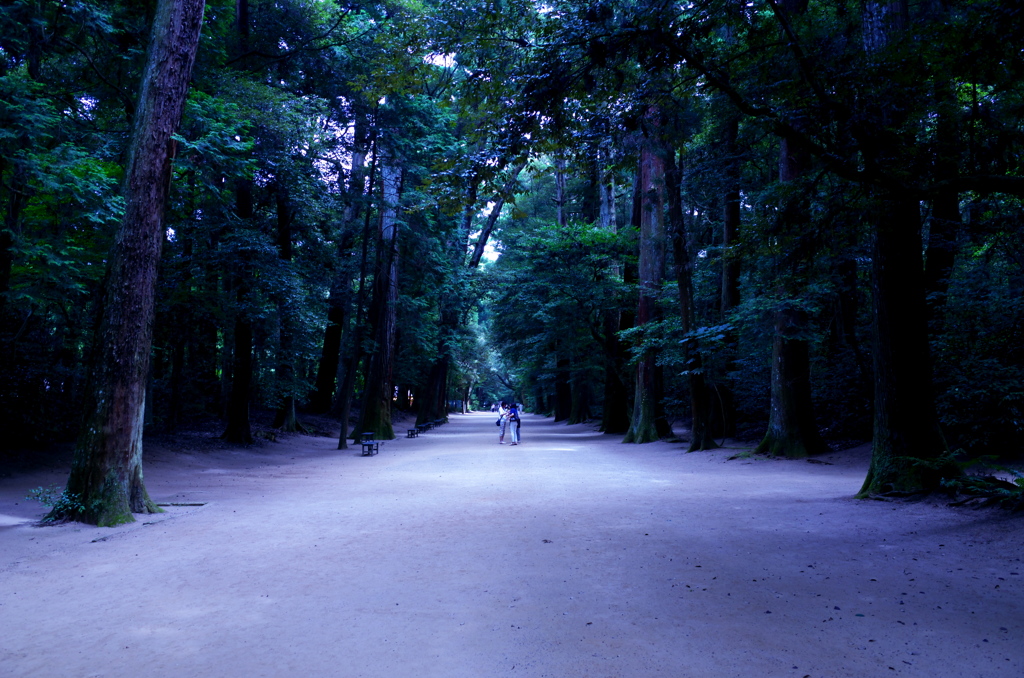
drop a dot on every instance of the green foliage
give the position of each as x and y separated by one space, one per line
978 352
549 291
950 470
57 500
458 93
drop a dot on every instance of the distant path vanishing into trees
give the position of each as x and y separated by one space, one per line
569 555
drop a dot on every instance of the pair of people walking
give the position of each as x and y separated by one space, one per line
508 420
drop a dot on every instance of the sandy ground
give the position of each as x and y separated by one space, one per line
569 555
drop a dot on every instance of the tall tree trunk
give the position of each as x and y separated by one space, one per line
649 422
339 303
286 418
345 392
376 414
106 472
563 390
615 410
239 426
627 315
700 394
615 402
433 400
731 269
580 409
355 355
792 431
906 424
242 26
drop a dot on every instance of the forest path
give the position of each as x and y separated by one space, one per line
569 555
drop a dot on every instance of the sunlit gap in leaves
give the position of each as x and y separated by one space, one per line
86 108
442 60
491 252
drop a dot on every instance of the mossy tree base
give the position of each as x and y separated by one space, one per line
792 431
892 473
376 418
640 435
789 447
114 501
648 423
702 442
286 419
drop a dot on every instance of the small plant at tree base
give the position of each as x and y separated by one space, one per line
58 500
993 491
989 489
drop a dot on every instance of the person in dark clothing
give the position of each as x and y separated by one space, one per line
514 422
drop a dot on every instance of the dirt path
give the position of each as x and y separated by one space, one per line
570 555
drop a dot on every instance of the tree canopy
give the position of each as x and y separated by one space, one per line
788 222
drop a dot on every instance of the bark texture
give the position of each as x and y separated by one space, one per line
377 398
339 304
615 408
792 431
906 438
701 437
649 423
106 473
433 404
580 410
321 399
355 355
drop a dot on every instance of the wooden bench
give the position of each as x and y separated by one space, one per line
370 446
